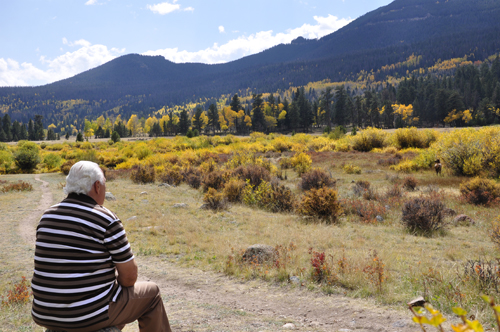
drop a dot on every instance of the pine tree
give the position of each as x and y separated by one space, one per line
326 100
258 120
7 127
213 117
183 122
31 131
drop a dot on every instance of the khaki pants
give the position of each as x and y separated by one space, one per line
140 302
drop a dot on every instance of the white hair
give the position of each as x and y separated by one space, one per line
82 177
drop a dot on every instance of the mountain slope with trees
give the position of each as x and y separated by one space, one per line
134 84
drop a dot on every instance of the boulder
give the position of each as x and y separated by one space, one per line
463 220
180 205
110 197
259 253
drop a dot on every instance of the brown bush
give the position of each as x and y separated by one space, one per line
215 180
192 176
367 211
394 191
18 186
215 200
143 174
172 176
423 215
479 191
283 198
117 174
315 179
233 189
67 166
256 174
320 203
410 183
362 188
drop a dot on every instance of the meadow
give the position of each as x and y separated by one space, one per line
362 215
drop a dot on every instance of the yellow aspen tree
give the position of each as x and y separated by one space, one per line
149 124
134 125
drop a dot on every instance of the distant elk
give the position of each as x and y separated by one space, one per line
438 167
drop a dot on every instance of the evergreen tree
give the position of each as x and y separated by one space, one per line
39 133
51 136
24 132
115 137
31 131
340 105
197 122
183 122
258 120
79 137
7 127
67 135
326 100
235 104
213 117
16 131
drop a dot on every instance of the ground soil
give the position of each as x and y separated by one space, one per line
207 301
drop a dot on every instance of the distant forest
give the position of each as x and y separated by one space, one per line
456 92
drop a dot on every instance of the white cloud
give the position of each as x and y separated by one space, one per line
255 43
164 7
90 2
189 9
87 56
221 29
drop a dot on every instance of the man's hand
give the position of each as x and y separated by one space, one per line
127 273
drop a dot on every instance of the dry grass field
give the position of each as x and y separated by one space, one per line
356 257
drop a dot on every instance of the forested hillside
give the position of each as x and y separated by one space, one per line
440 51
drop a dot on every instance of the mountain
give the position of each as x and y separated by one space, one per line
433 29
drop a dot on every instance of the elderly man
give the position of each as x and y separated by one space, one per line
85 273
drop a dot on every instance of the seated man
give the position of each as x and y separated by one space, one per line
85 273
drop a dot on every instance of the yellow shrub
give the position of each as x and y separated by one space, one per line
351 169
406 166
301 162
369 139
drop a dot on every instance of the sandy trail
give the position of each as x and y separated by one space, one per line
206 301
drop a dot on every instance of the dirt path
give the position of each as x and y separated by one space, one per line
206 301
27 227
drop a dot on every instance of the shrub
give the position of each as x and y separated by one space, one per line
360 187
369 139
321 203
215 200
315 179
27 156
143 174
495 232
19 294
192 176
409 138
233 190
410 183
171 175
67 166
18 186
423 215
254 173
215 179
285 163
479 191
262 196
394 191
52 160
366 210
283 198
5 159
301 162
351 169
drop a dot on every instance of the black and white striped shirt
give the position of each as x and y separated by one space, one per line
78 243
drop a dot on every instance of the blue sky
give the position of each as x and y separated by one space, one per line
43 41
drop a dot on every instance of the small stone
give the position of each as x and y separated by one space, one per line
399 323
387 207
289 326
259 253
131 218
145 201
294 280
180 205
379 218
144 193
165 185
110 197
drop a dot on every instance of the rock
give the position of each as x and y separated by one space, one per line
180 205
379 218
387 207
131 218
289 326
294 280
165 185
259 253
204 207
110 197
463 220
145 201
399 323
144 193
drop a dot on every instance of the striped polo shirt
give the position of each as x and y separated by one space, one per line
78 243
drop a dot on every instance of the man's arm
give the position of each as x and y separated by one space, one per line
127 273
